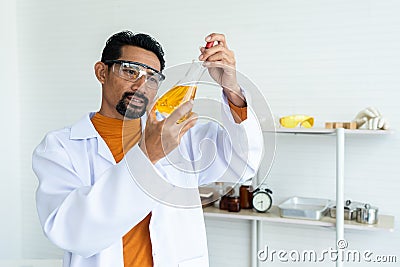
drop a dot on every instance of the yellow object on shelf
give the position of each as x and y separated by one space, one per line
293 120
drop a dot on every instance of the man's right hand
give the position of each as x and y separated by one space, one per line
161 137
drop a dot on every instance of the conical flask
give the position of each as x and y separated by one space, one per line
184 90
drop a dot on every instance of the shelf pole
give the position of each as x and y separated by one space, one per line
339 189
254 243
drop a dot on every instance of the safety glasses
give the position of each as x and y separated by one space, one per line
293 120
133 71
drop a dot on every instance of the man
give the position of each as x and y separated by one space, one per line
107 193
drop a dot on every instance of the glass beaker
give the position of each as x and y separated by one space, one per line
184 90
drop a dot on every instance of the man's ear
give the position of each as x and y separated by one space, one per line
100 70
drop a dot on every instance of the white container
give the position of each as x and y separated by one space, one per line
304 208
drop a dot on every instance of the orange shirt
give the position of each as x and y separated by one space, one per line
238 114
120 136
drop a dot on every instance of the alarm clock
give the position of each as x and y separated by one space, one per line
262 200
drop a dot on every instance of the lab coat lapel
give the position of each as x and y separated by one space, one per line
104 151
84 129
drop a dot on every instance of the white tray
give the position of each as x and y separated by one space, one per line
304 208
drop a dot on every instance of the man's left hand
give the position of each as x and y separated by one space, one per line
221 65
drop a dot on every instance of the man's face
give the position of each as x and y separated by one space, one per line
122 98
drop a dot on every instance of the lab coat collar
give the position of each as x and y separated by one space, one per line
84 129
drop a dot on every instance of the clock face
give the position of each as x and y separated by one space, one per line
262 201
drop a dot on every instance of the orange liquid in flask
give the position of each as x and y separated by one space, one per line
174 98
183 91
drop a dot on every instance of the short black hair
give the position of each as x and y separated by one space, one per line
112 50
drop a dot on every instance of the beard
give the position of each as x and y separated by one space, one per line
128 109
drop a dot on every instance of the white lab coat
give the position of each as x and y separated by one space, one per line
87 203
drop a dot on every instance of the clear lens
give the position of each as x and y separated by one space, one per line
132 72
153 81
129 71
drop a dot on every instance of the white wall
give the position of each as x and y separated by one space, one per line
325 58
10 197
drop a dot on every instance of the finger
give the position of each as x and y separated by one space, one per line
188 123
205 53
212 50
228 68
152 103
179 112
370 122
206 47
220 38
214 64
151 111
151 115
220 60
221 56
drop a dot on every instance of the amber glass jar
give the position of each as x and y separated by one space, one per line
223 203
234 203
246 196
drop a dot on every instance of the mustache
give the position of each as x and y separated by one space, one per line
127 95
